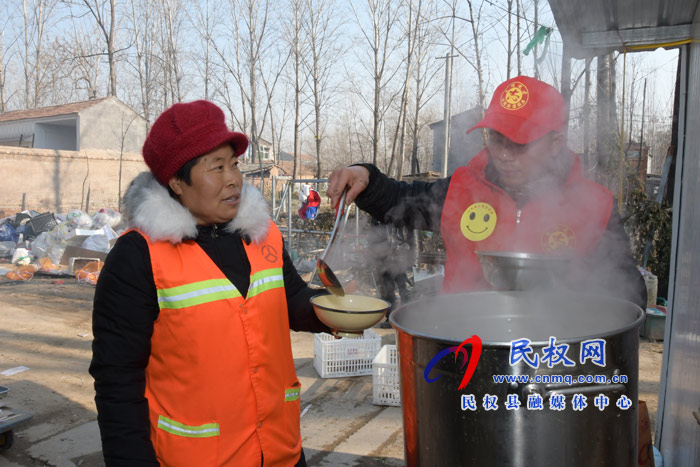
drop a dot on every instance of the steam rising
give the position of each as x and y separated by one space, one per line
600 266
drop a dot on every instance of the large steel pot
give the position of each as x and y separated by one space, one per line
438 432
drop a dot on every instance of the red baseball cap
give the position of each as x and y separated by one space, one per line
524 109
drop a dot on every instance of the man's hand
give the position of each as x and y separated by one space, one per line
356 178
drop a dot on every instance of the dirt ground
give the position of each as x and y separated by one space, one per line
46 327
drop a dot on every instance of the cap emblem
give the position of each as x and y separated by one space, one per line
515 96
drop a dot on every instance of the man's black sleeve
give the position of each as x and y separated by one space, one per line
124 309
301 314
417 205
612 269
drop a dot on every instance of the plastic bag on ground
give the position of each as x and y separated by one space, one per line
77 219
50 244
22 273
100 241
21 257
48 267
106 217
89 273
6 248
8 233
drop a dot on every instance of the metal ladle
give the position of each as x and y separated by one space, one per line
325 273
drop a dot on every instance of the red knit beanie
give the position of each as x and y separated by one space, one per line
524 109
184 132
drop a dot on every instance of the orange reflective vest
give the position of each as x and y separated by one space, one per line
221 385
479 216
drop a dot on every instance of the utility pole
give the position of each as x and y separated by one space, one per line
641 132
448 96
446 112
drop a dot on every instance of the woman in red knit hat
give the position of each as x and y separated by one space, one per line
192 356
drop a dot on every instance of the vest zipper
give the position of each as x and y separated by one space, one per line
517 216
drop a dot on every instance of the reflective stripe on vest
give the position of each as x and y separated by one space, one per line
197 293
291 395
202 431
265 280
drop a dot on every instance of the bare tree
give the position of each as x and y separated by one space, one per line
241 47
146 62
276 116
587 116
271 79
104 13
518 35
123 132
425 72
205 20
37 15
294 37
536 28
171 21
3 72
82 62
474 58
323 50
381 45
509 49
606 119
140 28
411 26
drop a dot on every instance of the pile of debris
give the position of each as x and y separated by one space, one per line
73 244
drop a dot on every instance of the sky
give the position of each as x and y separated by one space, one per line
351 70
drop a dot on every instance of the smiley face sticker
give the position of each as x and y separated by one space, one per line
478 222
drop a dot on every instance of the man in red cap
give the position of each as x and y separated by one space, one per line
525 192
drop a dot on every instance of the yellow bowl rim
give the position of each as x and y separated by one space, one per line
382 310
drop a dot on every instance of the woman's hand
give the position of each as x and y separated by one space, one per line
356 178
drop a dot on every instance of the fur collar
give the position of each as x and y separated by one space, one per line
150 208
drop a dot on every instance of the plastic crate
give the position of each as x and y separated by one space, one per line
386 389
41 223
348 356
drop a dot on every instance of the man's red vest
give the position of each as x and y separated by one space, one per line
479 216
221 385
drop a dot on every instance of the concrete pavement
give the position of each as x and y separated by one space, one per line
340 425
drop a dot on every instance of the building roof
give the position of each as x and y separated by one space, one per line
53 111
597 27
254 168
474 113
303 157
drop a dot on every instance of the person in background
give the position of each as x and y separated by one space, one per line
392 263
192 358
525 192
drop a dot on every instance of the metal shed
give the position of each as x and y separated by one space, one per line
597 27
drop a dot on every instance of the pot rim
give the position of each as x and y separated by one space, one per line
574 340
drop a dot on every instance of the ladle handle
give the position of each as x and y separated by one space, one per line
338 215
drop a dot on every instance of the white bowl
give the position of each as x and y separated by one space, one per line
349 315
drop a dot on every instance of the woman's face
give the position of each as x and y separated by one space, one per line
215 192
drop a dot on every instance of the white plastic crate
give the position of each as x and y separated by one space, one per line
386 389
349 356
